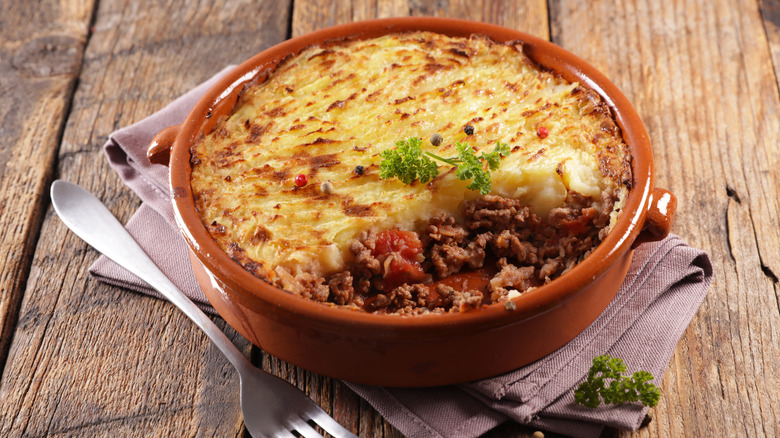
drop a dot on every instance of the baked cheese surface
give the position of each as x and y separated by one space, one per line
335 107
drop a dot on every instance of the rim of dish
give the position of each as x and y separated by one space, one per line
260 292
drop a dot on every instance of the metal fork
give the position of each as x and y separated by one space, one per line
271 407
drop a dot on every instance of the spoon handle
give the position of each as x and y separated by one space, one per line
86 216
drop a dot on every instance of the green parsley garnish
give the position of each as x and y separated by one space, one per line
408 162
621 389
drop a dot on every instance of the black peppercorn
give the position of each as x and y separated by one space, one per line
468 129
359 170
436 139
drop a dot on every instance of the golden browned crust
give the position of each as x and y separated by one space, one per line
332 108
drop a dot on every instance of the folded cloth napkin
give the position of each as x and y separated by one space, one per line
666 283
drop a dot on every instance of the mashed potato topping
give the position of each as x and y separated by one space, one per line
328 112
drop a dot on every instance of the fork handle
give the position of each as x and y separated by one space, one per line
86 216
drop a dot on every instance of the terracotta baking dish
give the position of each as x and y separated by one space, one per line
423 350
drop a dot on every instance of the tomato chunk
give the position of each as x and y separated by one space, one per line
400 253
581 223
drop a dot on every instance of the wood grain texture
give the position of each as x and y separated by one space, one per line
93 360
530 16
309 16
527 16
770 13
700 75
41 47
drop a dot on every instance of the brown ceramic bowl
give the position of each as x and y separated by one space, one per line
423 350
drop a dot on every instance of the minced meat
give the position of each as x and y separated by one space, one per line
499 236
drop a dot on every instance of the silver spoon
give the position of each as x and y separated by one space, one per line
270 406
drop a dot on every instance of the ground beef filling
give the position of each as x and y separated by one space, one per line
500 250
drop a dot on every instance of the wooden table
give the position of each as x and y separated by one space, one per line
80 358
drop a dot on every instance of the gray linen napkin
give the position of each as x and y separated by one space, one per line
666 283
153 225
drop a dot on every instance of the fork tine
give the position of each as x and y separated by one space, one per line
283 433
330 425
303 428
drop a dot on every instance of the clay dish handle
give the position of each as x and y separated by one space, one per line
660 216
159 151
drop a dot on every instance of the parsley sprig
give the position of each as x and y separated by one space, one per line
620 389
408 162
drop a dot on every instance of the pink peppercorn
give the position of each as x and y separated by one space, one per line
542 132
301 180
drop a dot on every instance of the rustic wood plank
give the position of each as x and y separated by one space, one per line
79 365
93 360
530 17
40 52
770 13
526 16
700 75
310 15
